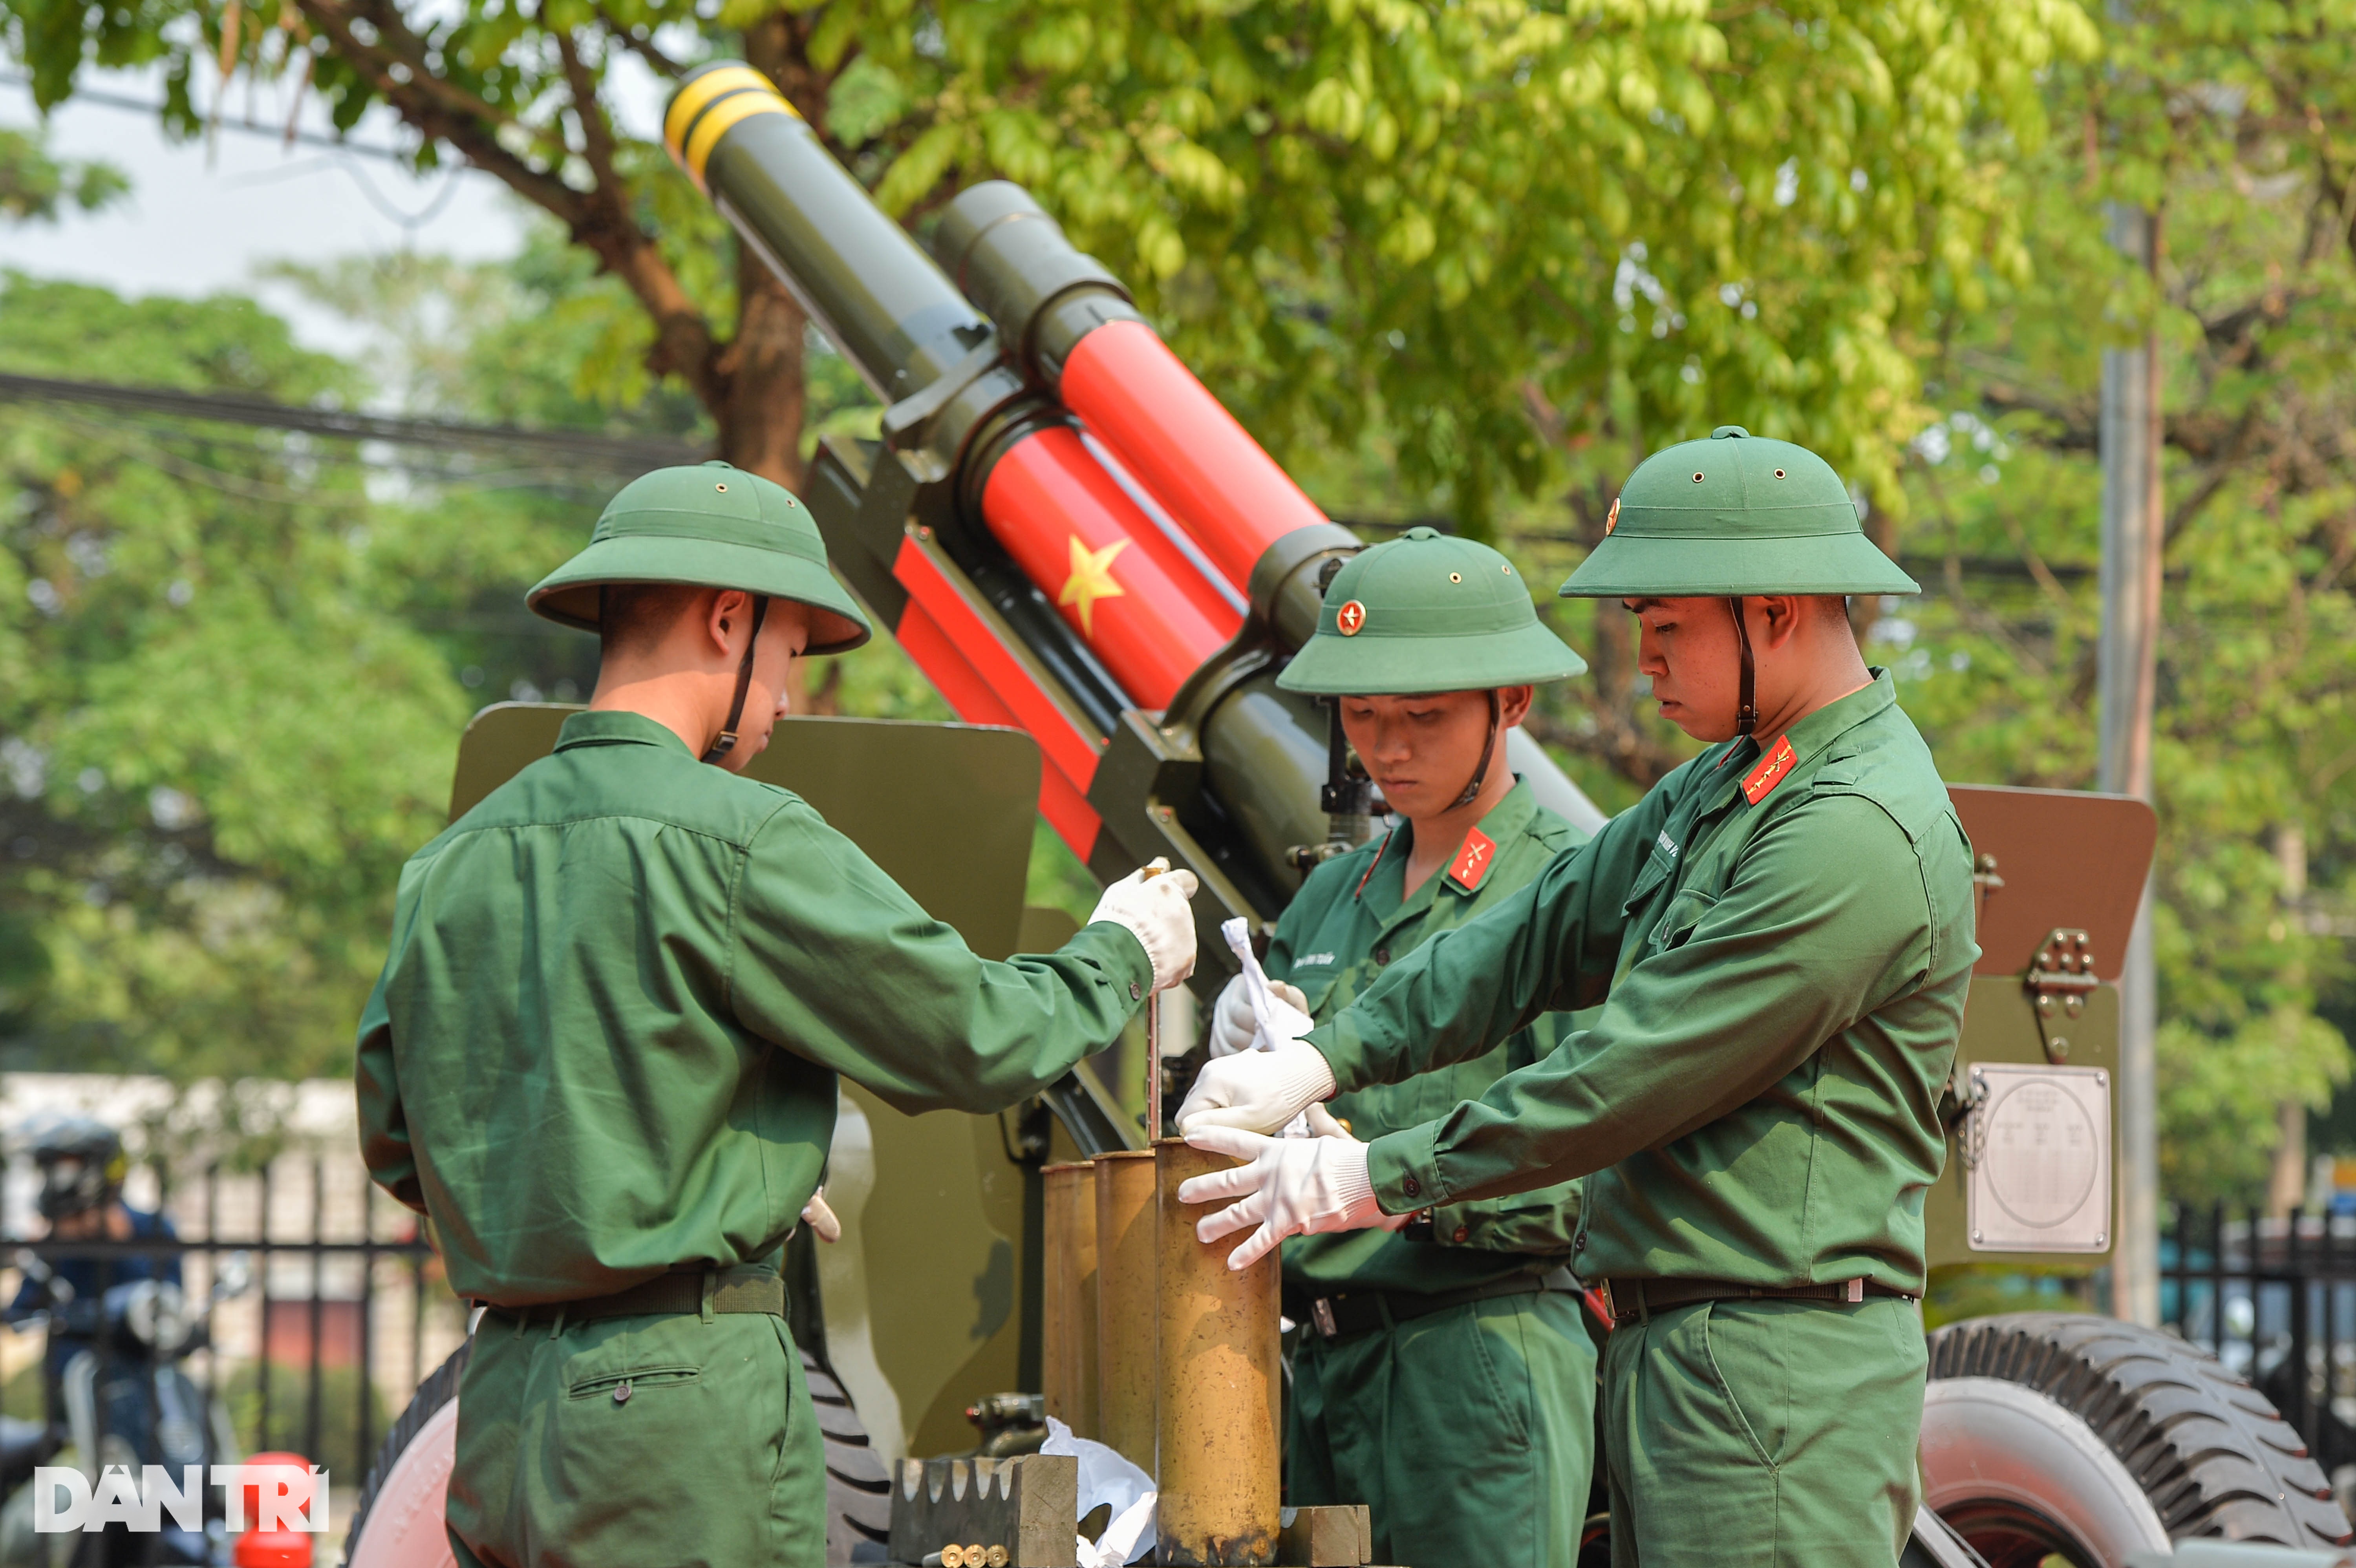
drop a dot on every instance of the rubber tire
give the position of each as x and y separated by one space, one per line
2018 1477
858 1483
2210 1453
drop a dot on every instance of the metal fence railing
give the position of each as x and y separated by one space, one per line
2274 1299
347 1312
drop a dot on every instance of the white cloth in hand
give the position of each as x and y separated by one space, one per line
1150 904
1255 1013
1258 1090
1233 1026
1278 1013
1292 1186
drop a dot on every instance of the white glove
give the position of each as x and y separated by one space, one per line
1232 1021
1258 1090
1323 1124
1149 903
819 1217
1292 1186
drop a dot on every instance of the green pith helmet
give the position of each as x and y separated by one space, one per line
712 525
1734 515
1426 613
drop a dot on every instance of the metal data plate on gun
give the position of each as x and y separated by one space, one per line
2038 1158
2056 879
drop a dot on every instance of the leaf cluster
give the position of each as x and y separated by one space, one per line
2238 125
1500 231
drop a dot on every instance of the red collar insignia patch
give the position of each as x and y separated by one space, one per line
1771 771
1472 863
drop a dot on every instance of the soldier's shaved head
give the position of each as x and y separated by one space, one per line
636 615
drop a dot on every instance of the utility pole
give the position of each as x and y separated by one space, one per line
2133 529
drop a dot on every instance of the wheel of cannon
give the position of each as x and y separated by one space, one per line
397 1521
2061 1434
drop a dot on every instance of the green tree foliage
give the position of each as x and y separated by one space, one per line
2239 125
218 742
1507 231
35 187
1653 211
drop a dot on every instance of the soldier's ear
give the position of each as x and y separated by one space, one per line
1781 614
1514 704
728 609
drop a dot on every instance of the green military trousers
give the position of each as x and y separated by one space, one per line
1764 1433
671 1441
1469 1434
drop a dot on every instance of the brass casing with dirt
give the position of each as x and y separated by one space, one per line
1126 1318
1217 1430
1067 1308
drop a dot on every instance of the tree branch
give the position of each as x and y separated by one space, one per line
465 125
599 220
643 47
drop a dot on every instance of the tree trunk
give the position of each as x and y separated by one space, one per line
761 424
2286 1186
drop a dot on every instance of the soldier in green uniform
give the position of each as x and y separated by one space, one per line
1779 936
603 1053
1442 1375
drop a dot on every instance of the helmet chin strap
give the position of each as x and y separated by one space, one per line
727 742
1746 713
1488 750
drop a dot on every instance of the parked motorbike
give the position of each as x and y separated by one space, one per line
117 1395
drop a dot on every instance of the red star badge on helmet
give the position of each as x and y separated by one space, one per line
1350 618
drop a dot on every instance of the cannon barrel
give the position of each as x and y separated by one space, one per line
1062 526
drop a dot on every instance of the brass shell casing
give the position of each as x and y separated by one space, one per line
1217 1427
1067 1318
1127 1361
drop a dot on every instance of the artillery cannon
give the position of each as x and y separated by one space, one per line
1073 540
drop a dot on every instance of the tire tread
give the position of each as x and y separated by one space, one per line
2214 1457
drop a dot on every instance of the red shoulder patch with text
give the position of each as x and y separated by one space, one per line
1472 864
1770 771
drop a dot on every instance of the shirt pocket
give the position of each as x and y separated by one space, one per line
1321 986
1678 921
1655 872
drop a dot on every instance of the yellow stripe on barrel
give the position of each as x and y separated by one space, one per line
697 94
708 107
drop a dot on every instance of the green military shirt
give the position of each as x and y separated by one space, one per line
605 1043
1781 980
1351 920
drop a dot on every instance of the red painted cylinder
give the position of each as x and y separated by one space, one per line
1142 607
1176 439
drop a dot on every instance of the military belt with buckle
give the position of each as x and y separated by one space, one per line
749 1289
1635 1300
1350 1312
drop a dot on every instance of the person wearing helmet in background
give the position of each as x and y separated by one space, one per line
603 1054
81 1166
1780 935
1442 1375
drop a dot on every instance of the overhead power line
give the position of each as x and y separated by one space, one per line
629 454
275 133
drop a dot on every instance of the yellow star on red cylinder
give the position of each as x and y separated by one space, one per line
1091 580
